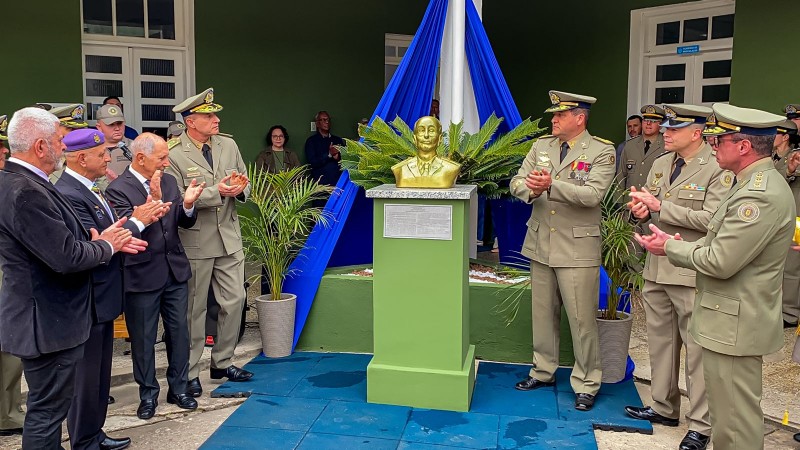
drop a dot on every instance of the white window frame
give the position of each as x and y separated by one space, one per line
181 7
642 44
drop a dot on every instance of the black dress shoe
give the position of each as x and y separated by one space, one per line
11 432
115 444
694 441
111 400
232 373
789 324
184 401
647 413
796 436
147 409
530 383
194 388
584 402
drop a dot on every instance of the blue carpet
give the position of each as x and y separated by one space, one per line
318 401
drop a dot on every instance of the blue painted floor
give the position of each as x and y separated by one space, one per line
318 401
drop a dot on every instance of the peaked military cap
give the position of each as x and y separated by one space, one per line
3 128
792 110
109 114
82 139
176 128
787 127
729 119
71 116
653 112
202 103
682 115
564 101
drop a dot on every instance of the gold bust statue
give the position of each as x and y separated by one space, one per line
426 170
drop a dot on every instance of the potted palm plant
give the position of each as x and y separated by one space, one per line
276 221
621 261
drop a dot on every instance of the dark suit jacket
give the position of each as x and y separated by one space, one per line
107 290
46 258
323 167
149 270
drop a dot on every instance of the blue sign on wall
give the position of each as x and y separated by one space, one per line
687 49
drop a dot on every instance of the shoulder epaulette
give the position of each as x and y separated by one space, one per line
174 142
604 141
665 153
225 135
757 182
546 136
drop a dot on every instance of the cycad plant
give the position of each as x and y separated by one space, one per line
621 258
484 164
277 219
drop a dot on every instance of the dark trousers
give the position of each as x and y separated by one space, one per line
141 315
51 384
87 414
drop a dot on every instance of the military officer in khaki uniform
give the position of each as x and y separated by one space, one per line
214 244
565 177
787 161
11 415
684 188
739 264
640 152
792 111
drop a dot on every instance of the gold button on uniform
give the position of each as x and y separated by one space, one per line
553 212
716 306
558 177
667 195
552 230
691 195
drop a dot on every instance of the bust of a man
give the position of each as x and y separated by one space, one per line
426 170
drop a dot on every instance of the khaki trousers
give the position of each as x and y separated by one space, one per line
668 309
11 415
576 289
734 400
226 277
791 287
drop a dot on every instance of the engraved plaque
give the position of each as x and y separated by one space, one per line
418 222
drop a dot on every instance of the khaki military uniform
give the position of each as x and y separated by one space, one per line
669 292
213 246
11 415
635 164
737 312
563 243
791 275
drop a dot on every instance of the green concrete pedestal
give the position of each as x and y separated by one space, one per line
423 357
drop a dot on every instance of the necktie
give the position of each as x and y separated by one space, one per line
679 163
776 157
207 155
646 146
147 186
99 193
564 150
734 182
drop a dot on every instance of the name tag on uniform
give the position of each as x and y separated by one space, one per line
193 172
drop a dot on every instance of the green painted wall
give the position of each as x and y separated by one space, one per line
281 62
540 48
41 53
764 64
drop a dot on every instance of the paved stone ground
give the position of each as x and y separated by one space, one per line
175 429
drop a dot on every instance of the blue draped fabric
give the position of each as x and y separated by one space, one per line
409 96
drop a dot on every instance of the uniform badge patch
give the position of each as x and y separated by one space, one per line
612 159
748 212
727 179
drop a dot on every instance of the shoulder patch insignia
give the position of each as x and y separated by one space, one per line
174 142
726 179
612 159
748 212
604 141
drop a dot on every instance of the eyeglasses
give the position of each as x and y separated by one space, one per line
277 136
716 141
323 119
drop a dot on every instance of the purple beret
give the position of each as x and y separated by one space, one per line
82 139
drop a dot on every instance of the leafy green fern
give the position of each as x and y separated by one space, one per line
484 164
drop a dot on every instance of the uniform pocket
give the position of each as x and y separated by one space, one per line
586 242
692 198
718 318
532 235
190 237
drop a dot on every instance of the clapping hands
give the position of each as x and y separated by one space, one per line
192 193
233 184
655 243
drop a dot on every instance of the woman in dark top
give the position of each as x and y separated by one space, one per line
276 157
